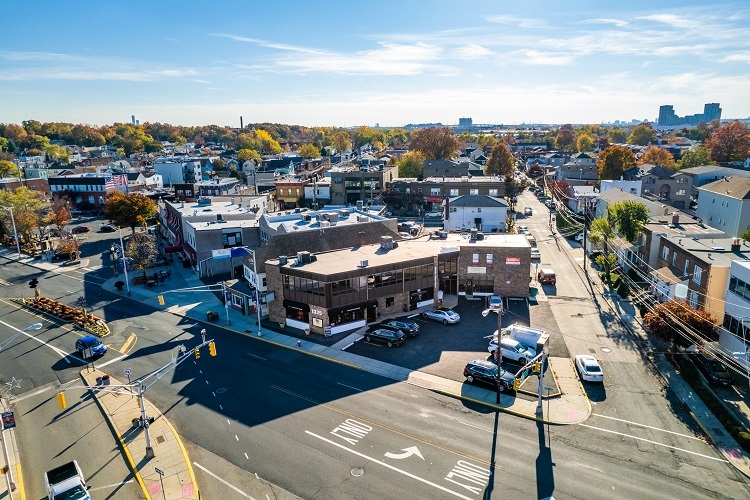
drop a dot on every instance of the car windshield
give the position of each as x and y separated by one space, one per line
717 366
591 367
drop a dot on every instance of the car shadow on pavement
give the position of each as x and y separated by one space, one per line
596 392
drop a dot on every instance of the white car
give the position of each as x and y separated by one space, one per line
535 253
579 237
528 211
442 314
588 368
433 215
512 349
527 232
521 229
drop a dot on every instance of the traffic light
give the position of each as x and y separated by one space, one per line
161 300
538 367
197 353
61 400
212 348
138 402
516 384
33 283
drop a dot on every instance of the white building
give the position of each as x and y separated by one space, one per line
485 213
632 187
735 329
583 198
725 205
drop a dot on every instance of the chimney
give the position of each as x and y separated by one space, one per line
241 123
675 218
736 244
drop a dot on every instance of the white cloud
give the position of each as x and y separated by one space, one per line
737 57
472 51
535 57
521 22
674 21
37 56
620 23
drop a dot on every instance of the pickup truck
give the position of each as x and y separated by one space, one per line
66 483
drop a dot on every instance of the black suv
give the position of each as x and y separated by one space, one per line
408 326
486 371
386 336
714 370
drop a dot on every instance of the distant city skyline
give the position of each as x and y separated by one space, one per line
347 64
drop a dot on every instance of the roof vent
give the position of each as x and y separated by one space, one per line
364 263
736 244
282 261
386 242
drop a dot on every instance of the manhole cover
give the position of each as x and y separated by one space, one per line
606 349
220 390
357 471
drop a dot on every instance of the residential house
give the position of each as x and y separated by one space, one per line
484 213
318 193
352 184
632 187
290 192
734 332
725 204
662 184
218 186
182 170
583 199
428 194
451 168
577 173
706 174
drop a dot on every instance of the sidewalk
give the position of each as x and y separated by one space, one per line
11 484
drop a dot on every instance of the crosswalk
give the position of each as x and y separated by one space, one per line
5 283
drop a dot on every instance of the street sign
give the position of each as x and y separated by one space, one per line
127 372
9 420
159 471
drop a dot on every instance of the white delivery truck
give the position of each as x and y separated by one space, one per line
530 337
66 482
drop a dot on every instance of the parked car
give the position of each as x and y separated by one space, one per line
408 326
434 215
528 211
488 372
714 370
588 368
90 342
550 204
512 349
547 277
578 237
81 229
535 253
442 314
108 228
386 336
522 229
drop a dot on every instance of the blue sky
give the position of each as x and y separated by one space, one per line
347 63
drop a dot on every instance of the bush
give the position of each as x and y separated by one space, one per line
743 438
623 290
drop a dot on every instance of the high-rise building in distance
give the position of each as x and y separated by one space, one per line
668 118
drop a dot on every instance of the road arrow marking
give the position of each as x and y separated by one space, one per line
407 452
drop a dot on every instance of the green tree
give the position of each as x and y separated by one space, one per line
397 137
695 157
512 189
26 204
614 161
501 161
566 137
630 216
341 141
602 232
465 137
141 250
247 154
4 144
218 165
730 142
617 135
129 210
8 169
657 156
642 135
487 141
745 235
435 143
309 151
59 153
410 165
584 143
366 135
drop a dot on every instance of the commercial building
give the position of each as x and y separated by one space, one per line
332 292
668 118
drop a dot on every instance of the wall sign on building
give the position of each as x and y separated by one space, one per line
512 261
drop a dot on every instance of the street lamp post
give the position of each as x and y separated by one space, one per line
15 233
124 262
112 258
257 291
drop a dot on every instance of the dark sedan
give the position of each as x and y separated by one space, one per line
487 372
386 336
409 327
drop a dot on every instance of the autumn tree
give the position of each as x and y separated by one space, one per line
248 154
642 135
695 157
341 140
681 323
614 161
8 169
59 153
465 137
61 217
141 250
584 142
129 210
435 143
487 141
657 156
68 245
617 135
566 137
26 204
730 142
367 135
309 151
501 161
410 165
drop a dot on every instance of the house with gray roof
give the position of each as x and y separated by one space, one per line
662 184
725 204
710 173
485 213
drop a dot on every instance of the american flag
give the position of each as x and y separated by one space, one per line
115 182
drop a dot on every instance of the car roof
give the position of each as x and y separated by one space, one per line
508 341
88 337
586 357
482 362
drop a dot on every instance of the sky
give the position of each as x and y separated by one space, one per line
387 63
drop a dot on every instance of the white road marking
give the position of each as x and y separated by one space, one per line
236 438
350 387
253 355
655 442
647 426
109 486
477 427
229 422
64 355
379 462
113 360
246 457
587 466
221 480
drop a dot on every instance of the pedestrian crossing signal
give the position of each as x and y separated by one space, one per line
61 400
197 353
212 348
161 300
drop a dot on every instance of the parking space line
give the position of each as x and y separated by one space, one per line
222 481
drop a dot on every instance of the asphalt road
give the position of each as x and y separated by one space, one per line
316 429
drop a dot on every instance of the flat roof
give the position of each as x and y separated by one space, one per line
716 251
291 220
350 258
219 207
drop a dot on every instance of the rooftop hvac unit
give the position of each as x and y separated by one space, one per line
386 242
362 218
324 216
344 213
304 257
283 261
364 263
334 218
325 223
306 217
359 204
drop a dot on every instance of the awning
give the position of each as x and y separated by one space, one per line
173 249
300 306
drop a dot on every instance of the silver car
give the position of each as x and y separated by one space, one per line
442 314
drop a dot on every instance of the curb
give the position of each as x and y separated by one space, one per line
19 476
184 455
700 424
495 407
